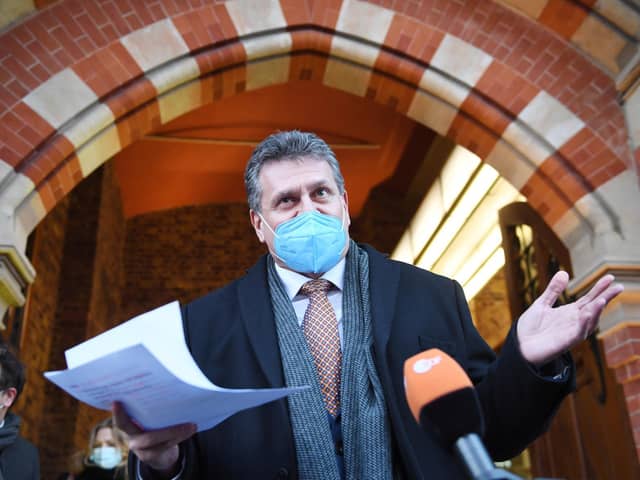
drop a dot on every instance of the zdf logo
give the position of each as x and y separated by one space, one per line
425 364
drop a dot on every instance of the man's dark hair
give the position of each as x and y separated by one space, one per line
11 371
290 145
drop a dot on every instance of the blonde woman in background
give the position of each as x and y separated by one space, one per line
106 456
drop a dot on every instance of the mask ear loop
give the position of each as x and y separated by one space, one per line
344 209
274 234
267 224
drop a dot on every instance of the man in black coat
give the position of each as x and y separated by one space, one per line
19 459
248 334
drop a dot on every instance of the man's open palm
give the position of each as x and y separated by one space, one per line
545 332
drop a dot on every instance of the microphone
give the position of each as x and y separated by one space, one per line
441 397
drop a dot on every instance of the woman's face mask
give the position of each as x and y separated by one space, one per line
311 242
106 457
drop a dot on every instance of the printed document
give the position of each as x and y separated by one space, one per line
145 364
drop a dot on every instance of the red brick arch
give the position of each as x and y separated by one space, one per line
526 62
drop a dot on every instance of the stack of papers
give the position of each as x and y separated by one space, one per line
145 364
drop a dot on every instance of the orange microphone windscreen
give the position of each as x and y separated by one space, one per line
430 375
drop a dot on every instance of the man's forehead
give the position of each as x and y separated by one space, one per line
285 169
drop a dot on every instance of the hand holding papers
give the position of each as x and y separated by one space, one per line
145 364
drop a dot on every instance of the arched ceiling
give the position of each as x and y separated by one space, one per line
606 31
200 157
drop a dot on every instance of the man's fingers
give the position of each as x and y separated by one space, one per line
601 286
604 289
152 440
556 286
590 315
162 438
611 292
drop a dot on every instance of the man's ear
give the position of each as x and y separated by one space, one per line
345 198
256 222
8 397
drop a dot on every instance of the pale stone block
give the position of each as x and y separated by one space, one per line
347 77
101 148
180 100
263 73
550 119
5 170
363 19
14 192
603 227
155 44
527 143
432 112
60 98
12 10
512 164
251 16
88 124
443 87
174 74
632 111
277 44
600 41
625 308
461 60
28 215
355 51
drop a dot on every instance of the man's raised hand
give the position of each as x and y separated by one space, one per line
545 332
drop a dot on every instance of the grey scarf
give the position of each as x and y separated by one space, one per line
365 427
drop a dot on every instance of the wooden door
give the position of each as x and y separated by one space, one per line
590 437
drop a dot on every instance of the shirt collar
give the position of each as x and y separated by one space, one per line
293 281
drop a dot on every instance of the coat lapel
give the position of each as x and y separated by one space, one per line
383 284
257 316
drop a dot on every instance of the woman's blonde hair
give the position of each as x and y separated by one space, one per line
119 437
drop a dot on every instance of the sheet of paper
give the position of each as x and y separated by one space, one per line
160 330
145 364
151 394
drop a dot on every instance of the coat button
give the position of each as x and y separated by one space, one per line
339 448
282 474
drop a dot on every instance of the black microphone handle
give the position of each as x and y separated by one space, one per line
477 461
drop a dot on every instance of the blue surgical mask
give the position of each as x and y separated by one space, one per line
310 242
106 457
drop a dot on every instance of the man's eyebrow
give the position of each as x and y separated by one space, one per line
318 184
285 193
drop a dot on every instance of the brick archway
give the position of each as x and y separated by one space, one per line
538 111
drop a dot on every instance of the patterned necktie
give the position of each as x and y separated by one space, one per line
320 327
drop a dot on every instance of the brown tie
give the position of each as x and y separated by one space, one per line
320 327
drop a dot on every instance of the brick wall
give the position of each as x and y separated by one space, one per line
78 256
74 296
106 285
40 319
184 253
